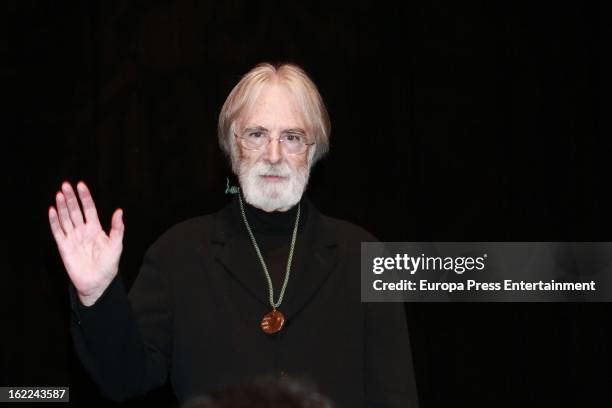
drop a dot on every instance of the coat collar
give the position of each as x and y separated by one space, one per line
315 257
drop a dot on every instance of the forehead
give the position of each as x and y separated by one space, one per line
274 108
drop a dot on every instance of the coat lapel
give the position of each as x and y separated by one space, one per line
232 249
316 259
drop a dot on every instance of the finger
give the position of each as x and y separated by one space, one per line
56 228
89 207
117 227
73 205
62 209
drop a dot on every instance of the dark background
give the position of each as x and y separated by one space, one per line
452 120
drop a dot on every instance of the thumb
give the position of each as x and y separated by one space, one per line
117 227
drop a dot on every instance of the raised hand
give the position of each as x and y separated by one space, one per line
91 257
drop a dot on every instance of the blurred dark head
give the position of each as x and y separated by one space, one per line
264 392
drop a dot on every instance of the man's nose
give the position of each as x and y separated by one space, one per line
273 151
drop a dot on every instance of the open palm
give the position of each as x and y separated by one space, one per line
91 257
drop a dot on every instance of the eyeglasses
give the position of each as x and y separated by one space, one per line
292 142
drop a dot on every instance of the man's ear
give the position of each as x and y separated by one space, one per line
311 154
235 154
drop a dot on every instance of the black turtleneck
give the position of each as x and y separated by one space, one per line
273 232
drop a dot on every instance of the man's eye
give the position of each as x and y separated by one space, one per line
291 137
255 135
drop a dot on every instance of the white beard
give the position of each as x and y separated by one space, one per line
272 195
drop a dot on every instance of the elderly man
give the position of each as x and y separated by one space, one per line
266 286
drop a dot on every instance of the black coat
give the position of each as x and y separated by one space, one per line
194 312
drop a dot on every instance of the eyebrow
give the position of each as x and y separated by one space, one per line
255 129
294 130
263 129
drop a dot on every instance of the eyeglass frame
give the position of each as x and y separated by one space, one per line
269 138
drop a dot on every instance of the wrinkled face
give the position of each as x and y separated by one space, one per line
270 178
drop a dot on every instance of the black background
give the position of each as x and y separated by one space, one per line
452 121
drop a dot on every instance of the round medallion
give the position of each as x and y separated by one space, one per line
272 322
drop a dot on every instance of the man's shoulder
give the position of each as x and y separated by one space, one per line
346 231
187 232
194 225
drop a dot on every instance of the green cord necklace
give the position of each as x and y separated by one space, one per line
273 321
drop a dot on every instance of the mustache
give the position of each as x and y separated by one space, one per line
266 169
